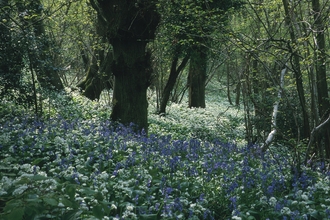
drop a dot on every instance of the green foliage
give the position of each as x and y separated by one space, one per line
75 164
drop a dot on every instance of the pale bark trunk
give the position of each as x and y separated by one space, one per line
273 132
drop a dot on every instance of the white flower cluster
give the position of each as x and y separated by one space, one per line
5 183
285 211
20 189
128 213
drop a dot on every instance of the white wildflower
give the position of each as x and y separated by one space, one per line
113 207
263 200
25 167
20 189
129 208
272 201
304 197
294 202
299 193
285 211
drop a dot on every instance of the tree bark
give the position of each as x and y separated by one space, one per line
321 77
42 62
11 53
273 132
197 77
129 26
174 72
98 67
99 76
130 68
297 69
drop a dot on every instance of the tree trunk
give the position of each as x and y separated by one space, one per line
197 77
174 72
131 68
321 77
99 76
98 67
228 84
10 57
129 26
42 62
297 70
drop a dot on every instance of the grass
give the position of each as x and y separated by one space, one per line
75 164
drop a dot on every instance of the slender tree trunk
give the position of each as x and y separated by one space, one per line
228 84
174 73
10 58
238 89
246 93
297 70
273 131
197 77
321 77
42 62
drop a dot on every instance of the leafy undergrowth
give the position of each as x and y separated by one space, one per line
74 164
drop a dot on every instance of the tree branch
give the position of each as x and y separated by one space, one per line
312 137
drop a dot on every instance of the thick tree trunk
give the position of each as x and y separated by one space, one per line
174 72
132 72
197 77
99 76
129 26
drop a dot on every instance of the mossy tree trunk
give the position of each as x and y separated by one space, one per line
11 54
129 26
97 65
39 53
98 73
131 83
197 77
174 73
321 77
297 69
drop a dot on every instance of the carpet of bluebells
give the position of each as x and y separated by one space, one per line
75 164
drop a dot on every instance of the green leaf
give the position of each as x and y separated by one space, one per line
87 191
71 215
38 177
148 217
5 168
98 212
38 161
8 174
70 190
50 201
66 202
99 196
17 213
316 215
139 192
12 204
